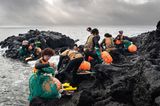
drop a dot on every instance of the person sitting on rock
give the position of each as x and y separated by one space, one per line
120 37
92 47
107 43
35 53
24 51
42 83
74 61
118 41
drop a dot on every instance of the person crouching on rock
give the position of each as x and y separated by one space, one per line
75 59
35 53
119 41
24 50
42 82
107 43
120 37
43 62
92 47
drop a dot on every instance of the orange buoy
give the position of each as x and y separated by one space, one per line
106 57
85 66
132 48
58 83
117 42
90 58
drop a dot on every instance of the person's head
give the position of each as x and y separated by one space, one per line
107 35
38 51
25 43
75 47
89 29
121 32
81 48
47 53
95 31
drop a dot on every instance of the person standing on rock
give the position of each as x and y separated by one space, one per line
92 47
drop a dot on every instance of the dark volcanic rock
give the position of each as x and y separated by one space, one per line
133 80
54 40
136 82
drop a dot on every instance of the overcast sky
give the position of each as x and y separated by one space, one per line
79 12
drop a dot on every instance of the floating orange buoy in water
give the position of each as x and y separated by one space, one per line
85 66
106 57
90 58
58 83
132 48
118 42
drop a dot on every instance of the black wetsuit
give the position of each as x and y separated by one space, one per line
69 68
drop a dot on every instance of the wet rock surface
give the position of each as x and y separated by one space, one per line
54 40
136 82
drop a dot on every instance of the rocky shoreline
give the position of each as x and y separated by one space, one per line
135 81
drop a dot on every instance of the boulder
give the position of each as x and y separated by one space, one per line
54 40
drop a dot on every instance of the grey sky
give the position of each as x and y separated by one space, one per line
79 12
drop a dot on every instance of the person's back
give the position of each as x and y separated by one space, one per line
94 50
71 68
96 41
107 41
71 54
89 43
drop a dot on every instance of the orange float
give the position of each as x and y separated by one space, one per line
106 57
132 48
85 66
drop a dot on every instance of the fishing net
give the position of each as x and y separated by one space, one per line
42 85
